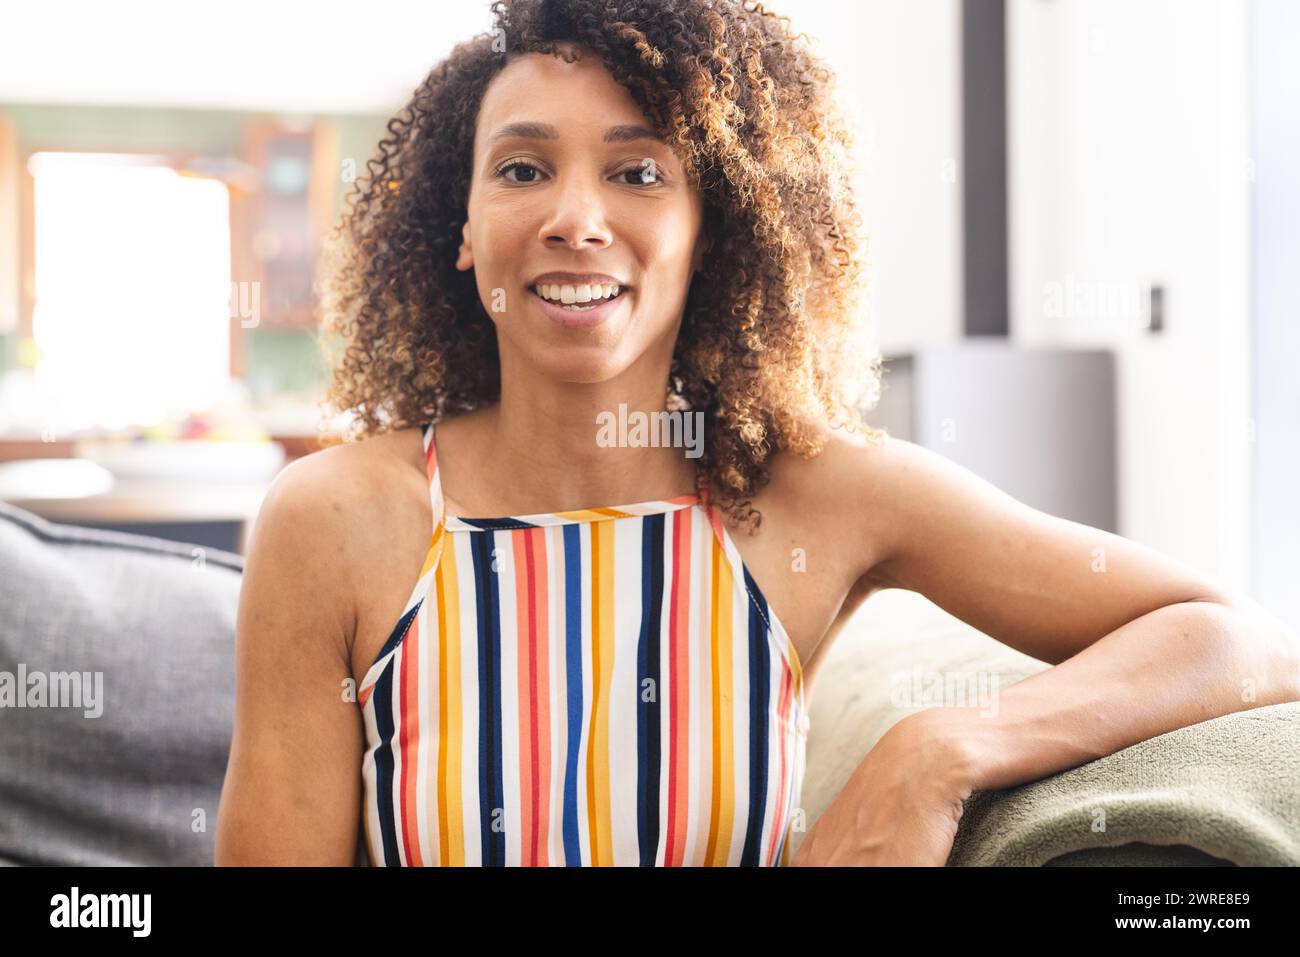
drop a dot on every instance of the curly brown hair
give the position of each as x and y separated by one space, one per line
773 343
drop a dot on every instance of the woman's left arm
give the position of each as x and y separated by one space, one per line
1178 665
1142 645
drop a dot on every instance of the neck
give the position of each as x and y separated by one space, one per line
573 447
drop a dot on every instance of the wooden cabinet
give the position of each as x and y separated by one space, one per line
277 225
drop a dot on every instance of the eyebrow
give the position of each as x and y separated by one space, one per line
624 133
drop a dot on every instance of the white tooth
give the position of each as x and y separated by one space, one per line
577 293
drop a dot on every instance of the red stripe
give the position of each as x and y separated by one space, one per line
541 691
679 682
526 619
778 827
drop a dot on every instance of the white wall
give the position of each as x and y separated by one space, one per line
1275 98
1129 165
328 56
900 67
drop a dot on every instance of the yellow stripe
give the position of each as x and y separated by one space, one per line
722 807
602 666
606 533
431 558
727 702
593 836
587 514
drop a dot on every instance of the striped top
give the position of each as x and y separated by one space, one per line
600 687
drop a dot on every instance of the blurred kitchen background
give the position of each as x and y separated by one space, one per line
1084 221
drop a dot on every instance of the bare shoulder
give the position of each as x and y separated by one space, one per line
335 510
832 494
339 487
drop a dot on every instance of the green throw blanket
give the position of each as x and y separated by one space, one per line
1225 791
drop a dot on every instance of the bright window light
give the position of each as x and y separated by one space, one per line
131 318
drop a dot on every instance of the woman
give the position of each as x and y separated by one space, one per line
459 645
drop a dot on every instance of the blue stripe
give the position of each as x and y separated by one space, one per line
759 663
383 704
496 524
398 633
573 682
648 713
491 793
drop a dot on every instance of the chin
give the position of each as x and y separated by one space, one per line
580 366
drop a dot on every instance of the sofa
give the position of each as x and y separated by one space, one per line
124 766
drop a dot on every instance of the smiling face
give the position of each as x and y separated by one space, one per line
570 182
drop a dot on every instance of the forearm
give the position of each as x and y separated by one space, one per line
1177 666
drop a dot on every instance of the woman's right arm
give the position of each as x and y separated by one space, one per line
292 793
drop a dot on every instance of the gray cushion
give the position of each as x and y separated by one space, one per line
140 783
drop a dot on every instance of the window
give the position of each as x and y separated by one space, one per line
132 290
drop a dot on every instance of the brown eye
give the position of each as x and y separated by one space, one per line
532 172
646 175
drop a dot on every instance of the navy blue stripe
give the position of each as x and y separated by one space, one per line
497 524
648 741
573 683
383 701
759 665
398 633
491 796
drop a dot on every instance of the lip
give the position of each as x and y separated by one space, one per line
575 279
568 317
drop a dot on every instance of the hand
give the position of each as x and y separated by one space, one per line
901 806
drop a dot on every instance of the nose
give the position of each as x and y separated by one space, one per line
576 219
